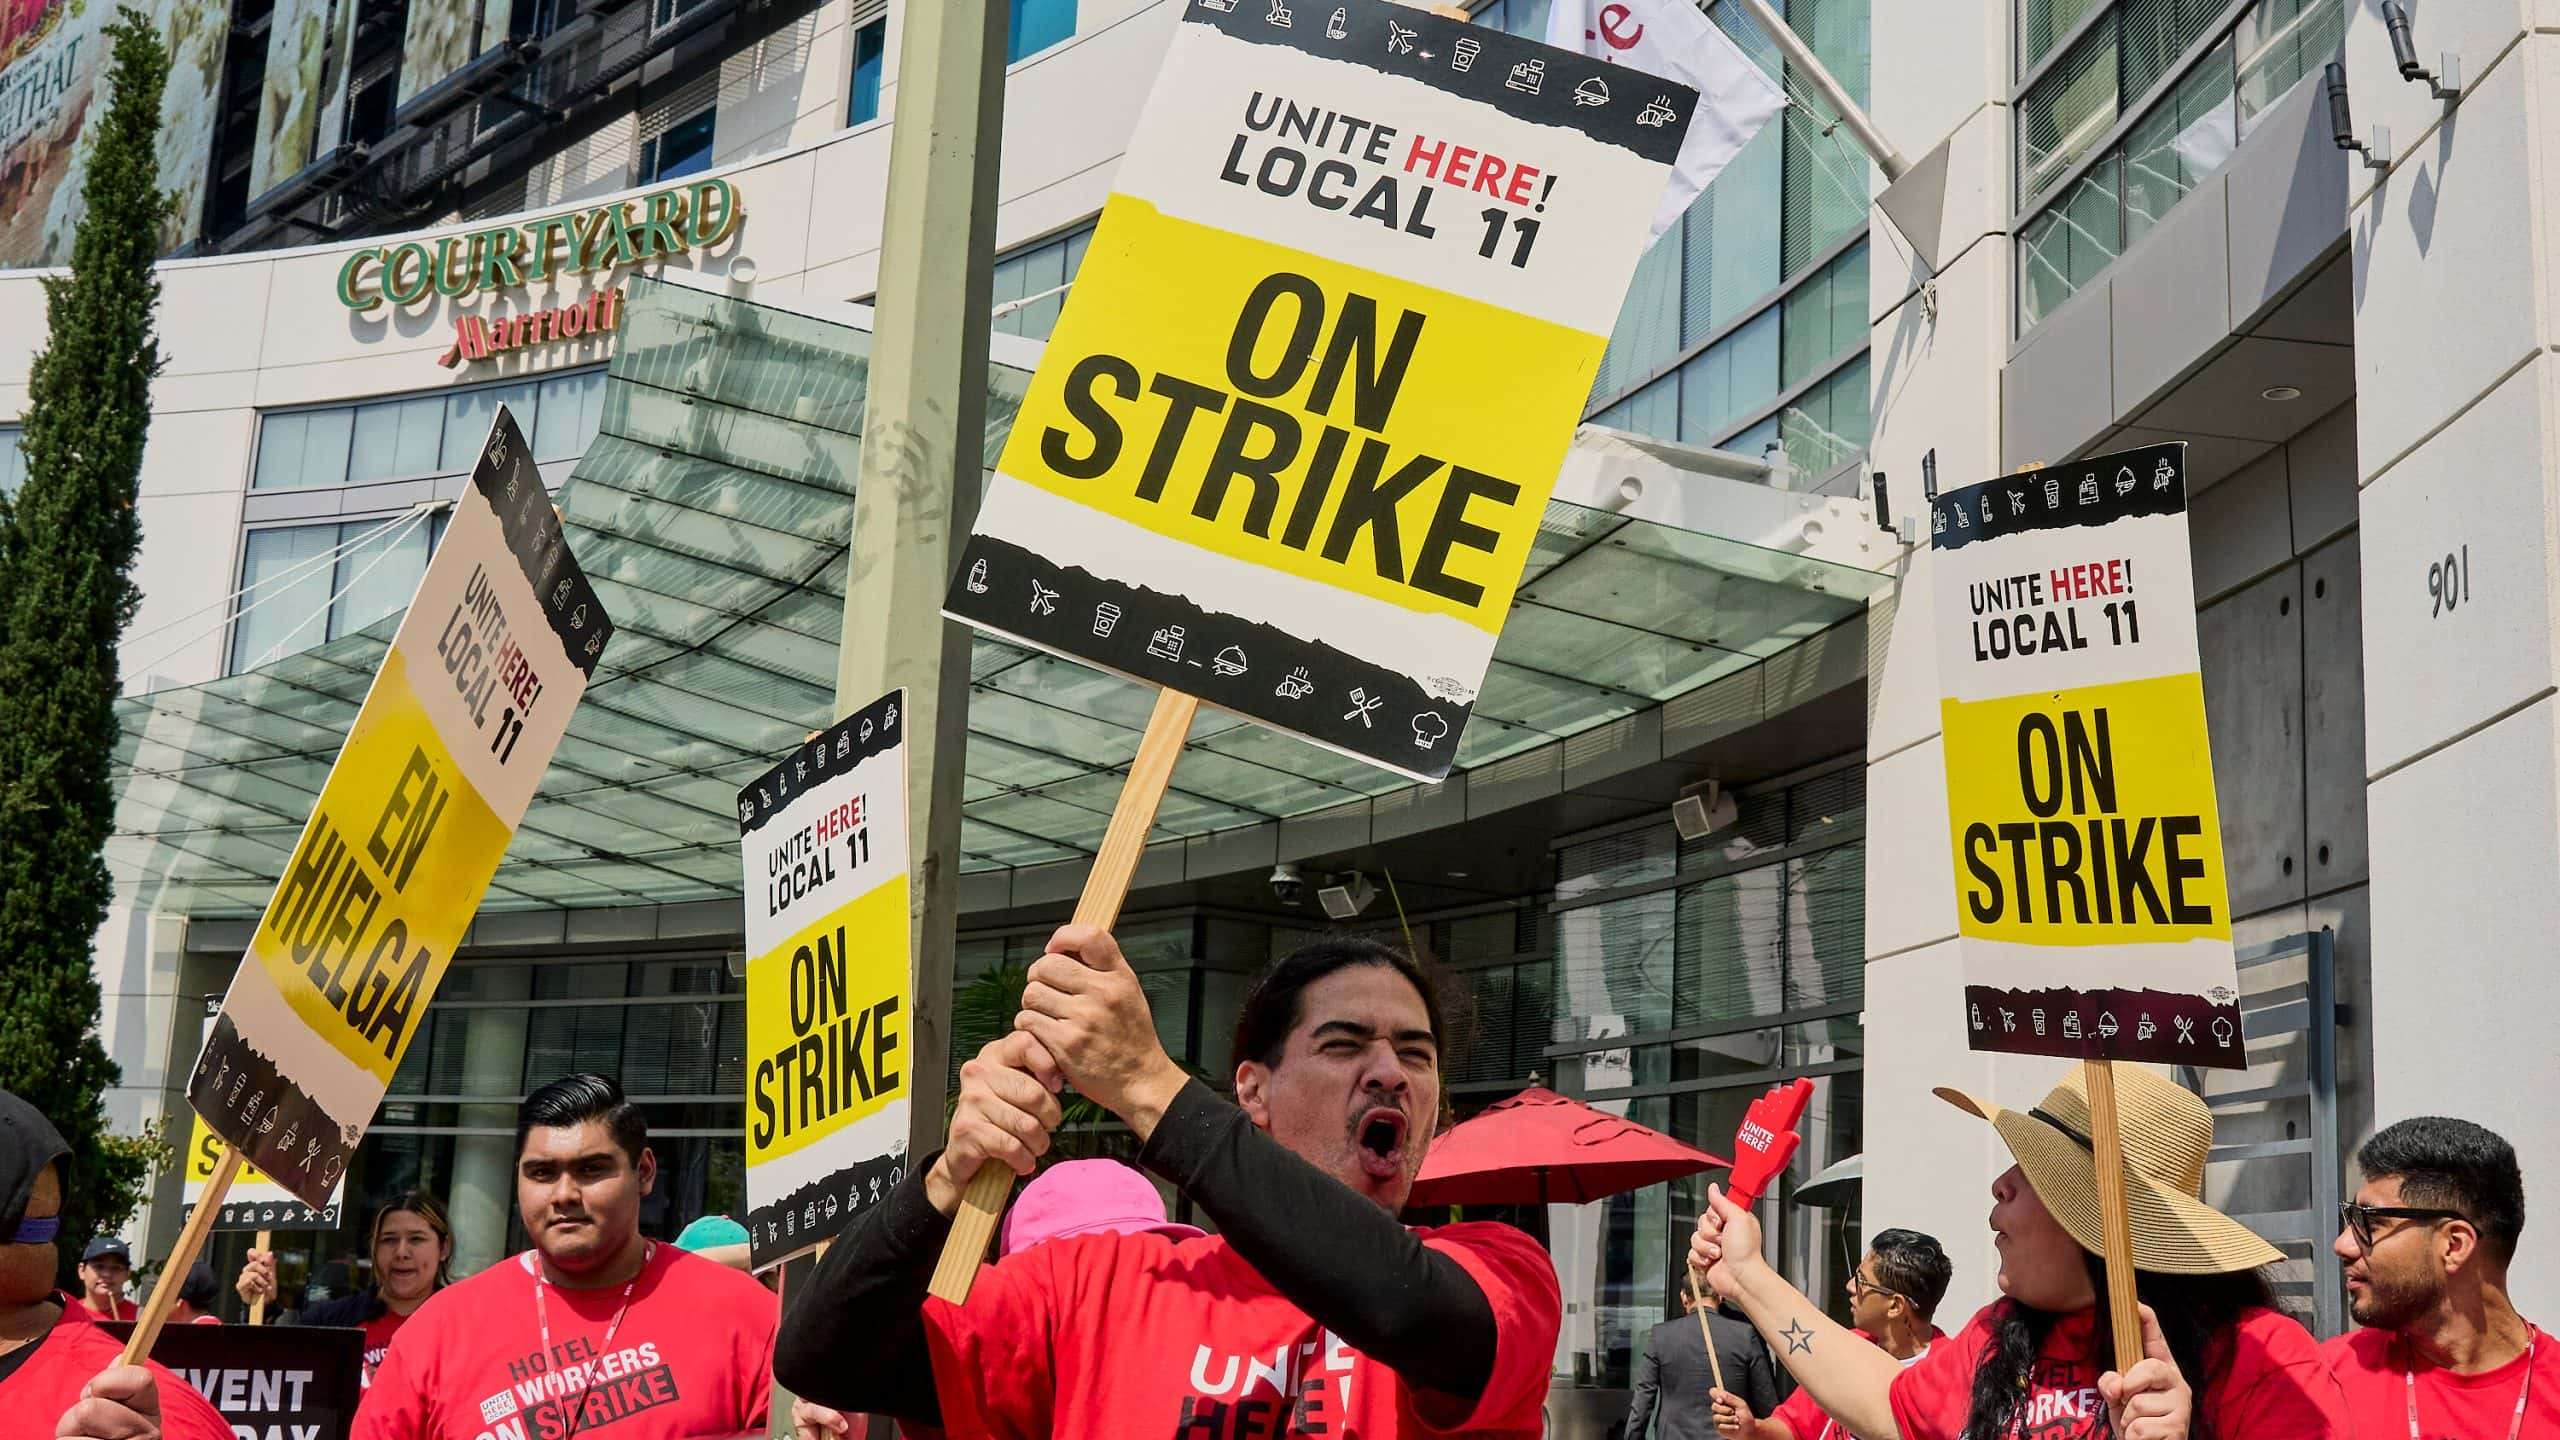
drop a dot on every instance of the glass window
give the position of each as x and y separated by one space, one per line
1648 330
1826 315
2066 112
1828 425
302 448
1826 175
469 413
1653 410
2065 247
2185 138
682 150
870 46
1729 239
13 461
397 438
377 573
2042 24
1729 380
286 580
1032 271
2280 42
2155 34
567 412
1035 25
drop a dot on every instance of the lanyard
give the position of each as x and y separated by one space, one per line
542 1318
2515 1424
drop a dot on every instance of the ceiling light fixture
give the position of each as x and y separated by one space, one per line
2281 393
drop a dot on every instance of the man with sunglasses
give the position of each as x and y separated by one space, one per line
1893 1297
2426 1244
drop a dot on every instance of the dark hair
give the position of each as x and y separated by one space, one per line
2448 1164
1913 1266
424 1206
1270 1009
200 1289
576 1099
2199 1314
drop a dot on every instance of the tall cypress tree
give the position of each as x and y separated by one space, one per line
66 593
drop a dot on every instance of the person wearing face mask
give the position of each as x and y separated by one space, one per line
412 1247
1312 1311
60 1373
2219 1362
595 1331
1893 1301
2426 1244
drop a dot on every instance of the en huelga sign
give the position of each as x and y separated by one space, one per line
1289 445
824 839
2088 850
444 756
254 1201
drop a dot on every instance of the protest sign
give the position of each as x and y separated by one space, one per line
254 1201
1289 444
270 1383
824 836
444 755
2088 848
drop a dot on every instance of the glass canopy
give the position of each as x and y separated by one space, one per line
712 514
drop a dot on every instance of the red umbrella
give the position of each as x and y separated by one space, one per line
1539 1148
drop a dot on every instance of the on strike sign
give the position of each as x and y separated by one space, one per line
824 838
2088 849
1289 445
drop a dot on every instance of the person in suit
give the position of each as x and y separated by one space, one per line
1674 1380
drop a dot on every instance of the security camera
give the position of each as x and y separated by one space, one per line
2445 81
1287 885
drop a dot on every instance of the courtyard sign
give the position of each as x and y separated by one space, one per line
601 238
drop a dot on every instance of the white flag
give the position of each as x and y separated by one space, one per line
1670 38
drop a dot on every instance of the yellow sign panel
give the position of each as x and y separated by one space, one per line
1293 412
2086 817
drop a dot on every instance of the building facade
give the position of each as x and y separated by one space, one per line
1705 609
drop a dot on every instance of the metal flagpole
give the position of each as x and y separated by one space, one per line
1809 67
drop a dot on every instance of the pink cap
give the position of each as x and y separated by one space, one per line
1087 1197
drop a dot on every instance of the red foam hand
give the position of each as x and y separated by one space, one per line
1767 1140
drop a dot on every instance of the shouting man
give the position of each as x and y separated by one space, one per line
1312 1311
595 1331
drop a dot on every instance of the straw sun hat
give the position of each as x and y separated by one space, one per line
2167 1135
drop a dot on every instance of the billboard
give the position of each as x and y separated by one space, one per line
53 61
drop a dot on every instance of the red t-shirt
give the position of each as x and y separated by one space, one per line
377 1339
1811 1421
125 1310
2374 1371
693 1356
2273 1386
1104 1337
47 1382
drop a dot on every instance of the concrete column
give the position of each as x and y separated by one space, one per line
1937 347
2457 462
484 1166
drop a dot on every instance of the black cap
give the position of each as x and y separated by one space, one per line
106 1245
200 1289
28 1143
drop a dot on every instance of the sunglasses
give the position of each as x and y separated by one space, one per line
1862 1284
2358 1219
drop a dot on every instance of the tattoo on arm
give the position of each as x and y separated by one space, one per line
1799 1339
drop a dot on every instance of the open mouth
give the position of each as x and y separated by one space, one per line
1380 1134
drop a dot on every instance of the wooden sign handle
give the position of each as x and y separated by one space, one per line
164 1291
2106 1142
1105 886
258 1307
1698 1287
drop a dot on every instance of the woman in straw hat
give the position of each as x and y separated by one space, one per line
2220 1362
